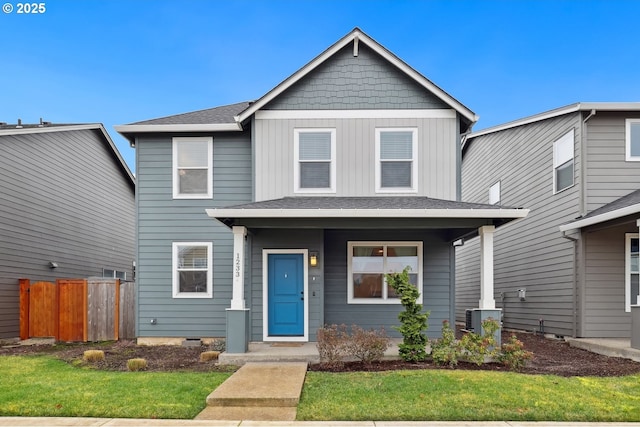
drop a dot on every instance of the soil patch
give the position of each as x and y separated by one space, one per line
551 356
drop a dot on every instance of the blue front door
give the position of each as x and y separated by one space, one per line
286 294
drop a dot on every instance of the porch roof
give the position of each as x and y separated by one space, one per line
366 212
626 205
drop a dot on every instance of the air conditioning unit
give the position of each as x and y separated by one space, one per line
468 315
473 320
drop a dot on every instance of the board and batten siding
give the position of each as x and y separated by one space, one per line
355 155
64 198
436 287
366 81
163 220
609 175
531 253
293 238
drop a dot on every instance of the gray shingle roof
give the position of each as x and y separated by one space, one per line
222 114
623 202
391 202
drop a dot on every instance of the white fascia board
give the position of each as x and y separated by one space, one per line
367 213
355 114
48 129
207 127
380 50
597 219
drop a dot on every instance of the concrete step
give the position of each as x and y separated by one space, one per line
271 384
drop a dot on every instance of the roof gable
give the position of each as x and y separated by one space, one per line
355 39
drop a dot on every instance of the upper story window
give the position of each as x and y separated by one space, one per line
369 262
192 167
315 160
563 162
192 270
396 160
632 139
494 194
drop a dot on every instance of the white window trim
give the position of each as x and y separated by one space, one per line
352 300
496 191
627 140
265 295
414 162
176 277
174 166
296 161
627 271
569 135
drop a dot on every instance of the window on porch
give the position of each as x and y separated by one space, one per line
368 262
632 282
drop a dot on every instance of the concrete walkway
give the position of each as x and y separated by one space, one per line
259 392
614 347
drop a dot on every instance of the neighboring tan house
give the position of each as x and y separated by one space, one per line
571 267
66 209
263 221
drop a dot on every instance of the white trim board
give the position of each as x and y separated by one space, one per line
597 219
355 114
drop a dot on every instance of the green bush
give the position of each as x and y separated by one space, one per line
413 322
446 350
513 354
476 347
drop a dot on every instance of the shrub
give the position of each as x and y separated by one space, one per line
207 356
513 354
331 344
136 364
476 347
218 344
367 346
93 356
446 350
413 322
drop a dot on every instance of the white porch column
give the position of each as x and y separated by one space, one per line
486 267
237 300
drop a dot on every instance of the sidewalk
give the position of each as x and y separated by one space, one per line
126 422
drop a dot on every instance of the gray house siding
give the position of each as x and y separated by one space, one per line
437 281
286 239
163 220
609 175
355 155
64 198
347 82
604 282
529 254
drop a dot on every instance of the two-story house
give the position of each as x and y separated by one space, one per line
571 267
262 221
66 209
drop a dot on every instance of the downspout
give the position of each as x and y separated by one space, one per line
583 163
574 299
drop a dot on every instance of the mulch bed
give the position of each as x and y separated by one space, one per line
551 356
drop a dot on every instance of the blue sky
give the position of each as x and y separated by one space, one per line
121 61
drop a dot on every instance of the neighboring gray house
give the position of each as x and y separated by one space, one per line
262 221
66 209
575 257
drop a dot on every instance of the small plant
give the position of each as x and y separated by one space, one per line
92 356
413 322
513 354
331 344
207 356
367 346
136 364
446 350
218 344
476 347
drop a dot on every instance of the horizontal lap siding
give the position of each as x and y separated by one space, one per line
529 254
355 155
163 221
437 281
65 199
610 176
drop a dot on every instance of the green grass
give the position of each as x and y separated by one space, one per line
468 395
42 386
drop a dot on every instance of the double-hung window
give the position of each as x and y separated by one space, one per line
632 271
396 160
192 270
367 264
315 160
563 162
632 139
192 168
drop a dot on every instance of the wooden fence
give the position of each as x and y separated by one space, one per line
94 309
